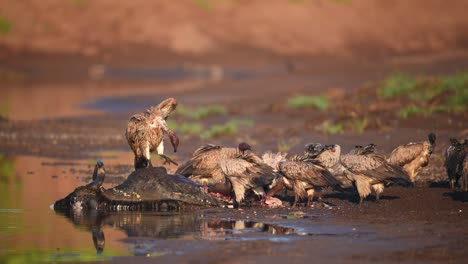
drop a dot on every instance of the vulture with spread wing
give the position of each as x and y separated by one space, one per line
145 132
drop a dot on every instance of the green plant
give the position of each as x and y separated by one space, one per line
203 4
7 168
359 125
302 101
329 127
286 145
4 110
396 85
228 128
417 110
5 26
199 113
190 128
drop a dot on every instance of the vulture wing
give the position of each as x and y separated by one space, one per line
309 172
405 154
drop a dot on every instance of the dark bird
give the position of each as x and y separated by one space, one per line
465 174
145 133
303 175
99 175
228 170
456 162
413 156
367 170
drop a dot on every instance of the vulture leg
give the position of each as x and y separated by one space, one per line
452 184
277 188
378 189
296 198
465 182
168 160
310 197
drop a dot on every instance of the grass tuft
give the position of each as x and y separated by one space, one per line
203 4
329 127
397 85
287 145
228 128
199 113
359 125
427 94
302 101
5 26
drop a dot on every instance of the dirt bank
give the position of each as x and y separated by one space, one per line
325 27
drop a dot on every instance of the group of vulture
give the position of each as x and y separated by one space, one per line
235 171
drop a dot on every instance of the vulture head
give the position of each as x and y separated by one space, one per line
243 147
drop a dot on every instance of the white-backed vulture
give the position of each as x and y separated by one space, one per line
413 156
145 133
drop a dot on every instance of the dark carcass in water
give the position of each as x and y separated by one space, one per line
145 189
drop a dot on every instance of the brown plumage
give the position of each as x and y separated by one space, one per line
247 172
329 157
413 156
204 166
273 159
227 170
367 170
455 162
145 133
303 175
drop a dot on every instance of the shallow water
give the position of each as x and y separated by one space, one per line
30 231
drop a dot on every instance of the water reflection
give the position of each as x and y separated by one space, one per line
151 225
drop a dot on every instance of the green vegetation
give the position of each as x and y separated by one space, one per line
5 26
190 128
287 145
199 113
296 1
228 128
7 169
396 85
329 127
203 4
302 101
39 256
425 111
359 125
4 110
427 94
